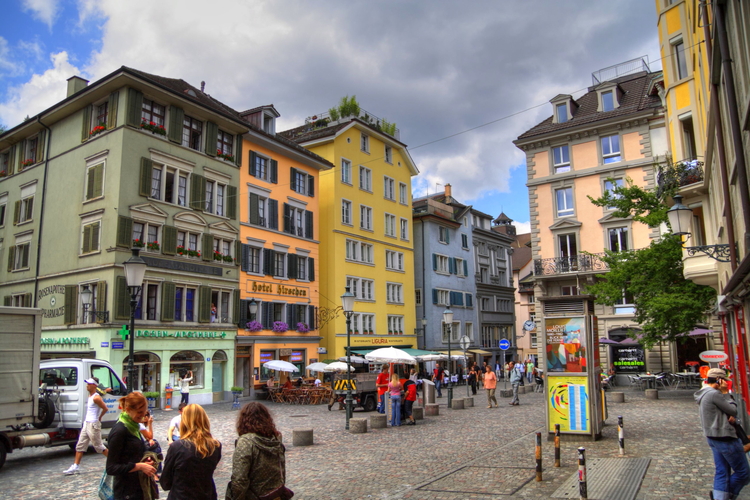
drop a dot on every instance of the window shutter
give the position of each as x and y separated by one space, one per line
207 247
101 297
238 150
71 304
253 170
292 263
168 291
434 262
434 296
452 265
237 252
311 269
135 103
98 189
254 215
95 228
122 299
11 160
274 172
86 125
114 100
29 208
197 192
268 261
293 179
466 268
145 187
469 300
309 225
11 257
124 232
26 300
288 219
40 146
240 307
447 236
244 256
310 186
290 314
204 304
86 239
232 202
311 317
273 214
169 240
267 319
212 139
17 213
8 300
459 299
176 119
21 154
25 256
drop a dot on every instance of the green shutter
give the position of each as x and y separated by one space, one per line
238 150
101 296
11 257
232 202
71 304
25 255
29 208
94 237
40 144
237 310
86 125
21 154
86 239
145 186
124 232
114 100
204 304
169 240
17 213
207 246
176 119
197 192
167 301
135 103
254 214
98 180
237 252
212 138
90 183
8 300
11 160
122 299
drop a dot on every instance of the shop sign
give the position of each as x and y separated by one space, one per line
52 311
179 334
285 352
276 289
628 359
296 356
371 341
242 349
105 344
67 341
266 356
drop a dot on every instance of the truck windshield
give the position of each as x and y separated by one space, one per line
60 376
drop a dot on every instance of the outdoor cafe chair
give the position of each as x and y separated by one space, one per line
635 381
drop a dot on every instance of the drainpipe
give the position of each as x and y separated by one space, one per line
424 294
41 209
720 147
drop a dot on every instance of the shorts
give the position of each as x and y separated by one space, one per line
91 433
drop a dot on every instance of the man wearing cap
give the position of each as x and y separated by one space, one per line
91 433
718 412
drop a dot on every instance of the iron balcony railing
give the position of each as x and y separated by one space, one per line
581 263
680 174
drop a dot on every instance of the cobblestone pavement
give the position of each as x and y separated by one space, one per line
476 453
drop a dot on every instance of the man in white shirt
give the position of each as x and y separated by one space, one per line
184 384
91 433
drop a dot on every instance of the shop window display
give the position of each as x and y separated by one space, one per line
183 361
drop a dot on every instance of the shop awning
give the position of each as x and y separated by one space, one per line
412 352
480 351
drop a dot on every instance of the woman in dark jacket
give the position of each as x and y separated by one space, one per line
191 461
126 449
258 464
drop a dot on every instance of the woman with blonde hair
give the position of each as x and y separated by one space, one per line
191 461
394 389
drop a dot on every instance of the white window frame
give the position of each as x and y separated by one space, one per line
603 95
262 167
360 252
443 297
455 331
183 308
443 266
365 179
346 212
561 164
562 209
443 235
394 261
560 118
389 188
465 241
418 297
611 156
185 237
90 165
402 196
279 259
390 225
225 247
460 267
395 324
146 233
364 143
679 58
365 217
346 171
3 209
212 205
404 229
394 293
88 221
362 288
388 154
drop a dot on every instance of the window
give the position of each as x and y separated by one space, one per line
564 198
185 303
279 265
562 113
359 252
680 60
225 144
296 221
465 241
152 112
264 211
625 304
192 131
18 257
147 235
151 293
346 212
569 290
346 171
389 190
223 250
469 300
395 325
561 158
418 297
90 237
618 239
394 261
101 113
3 204
365 178
32 144
364 143
302 182
469 331
362 323
568 252
156 182
215 198
365 217
95 181
302 274
609 187
441 297
689 150
361 288
169 184
394 293
187 243
461 267
504 305
444 235
24 209
253 259
390 225
441 264
486 304
388 154
608 101
402 193
261 167
611 149
404 229
454 329
4 163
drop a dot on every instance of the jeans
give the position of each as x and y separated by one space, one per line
515 393
729 456
395 411
437 388
491 397
382 404
185 397
409 408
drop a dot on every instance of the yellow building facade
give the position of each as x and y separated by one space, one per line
366 238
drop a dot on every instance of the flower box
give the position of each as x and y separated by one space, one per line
28 162
138 244
254 326
226 157
97 130
302 328
181 250
280 327
153 245
153 127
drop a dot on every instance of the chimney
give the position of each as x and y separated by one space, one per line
76 83
448 197
203 87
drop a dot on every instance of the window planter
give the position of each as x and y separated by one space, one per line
138 244
27 163
153 127
254 326
280 327
97 130
154 246
302 328
223 156
181 251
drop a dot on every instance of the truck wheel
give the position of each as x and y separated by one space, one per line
46 412
370 404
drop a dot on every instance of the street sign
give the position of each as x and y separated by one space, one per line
118 345
465 342
504 344
105 344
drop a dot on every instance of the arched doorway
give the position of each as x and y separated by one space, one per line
219 360
147 371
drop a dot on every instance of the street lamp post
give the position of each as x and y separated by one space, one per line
86 296
135 270
448 320
347 303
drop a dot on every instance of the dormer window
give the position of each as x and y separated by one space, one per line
608 101
564 108
269 123
608 95
561 111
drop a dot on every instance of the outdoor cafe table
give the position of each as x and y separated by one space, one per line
686 378
649 380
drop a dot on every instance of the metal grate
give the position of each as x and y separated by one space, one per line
608 478
561 307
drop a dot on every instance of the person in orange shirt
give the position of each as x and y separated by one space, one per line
382 384
490 384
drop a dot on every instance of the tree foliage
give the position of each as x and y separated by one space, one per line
666 304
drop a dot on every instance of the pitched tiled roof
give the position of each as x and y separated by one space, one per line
308 132
635 98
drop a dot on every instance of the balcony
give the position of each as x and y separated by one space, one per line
679 175
699 268
582 263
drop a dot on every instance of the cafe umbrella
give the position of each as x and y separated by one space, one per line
280 365
317 367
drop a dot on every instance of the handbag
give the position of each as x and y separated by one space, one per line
105 487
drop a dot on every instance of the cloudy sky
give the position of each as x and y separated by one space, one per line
437 68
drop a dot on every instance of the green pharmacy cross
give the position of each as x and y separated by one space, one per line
123 332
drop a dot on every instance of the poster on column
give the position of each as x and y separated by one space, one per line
568 403
566 344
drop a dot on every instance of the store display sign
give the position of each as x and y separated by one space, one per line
105 344
566 344
628 359
276 289
568 403
180 334
297 356
266 356
118 345
66 341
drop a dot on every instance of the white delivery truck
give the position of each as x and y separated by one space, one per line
44 403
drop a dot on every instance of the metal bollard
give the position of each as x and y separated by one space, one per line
621 435
557 445
582 488
538 456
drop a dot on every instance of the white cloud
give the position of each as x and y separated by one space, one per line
522 227
45 11
8 65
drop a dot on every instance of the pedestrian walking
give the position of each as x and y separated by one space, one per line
394 389
718 413
515 380
382 385
437 378
184 383
259 463
413 375
91 433
473 380
126 461
490 383
530 371
521 367
191 461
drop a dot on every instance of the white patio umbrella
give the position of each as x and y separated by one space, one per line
390 355
355 359
432 357
279 365
317 367
336 366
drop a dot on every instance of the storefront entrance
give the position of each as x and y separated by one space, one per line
219 361
147 371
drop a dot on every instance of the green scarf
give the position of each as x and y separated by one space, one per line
130 424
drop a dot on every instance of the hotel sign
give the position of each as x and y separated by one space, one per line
269 288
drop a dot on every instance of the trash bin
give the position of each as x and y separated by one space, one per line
428 388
